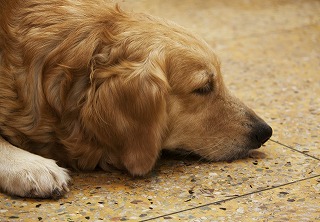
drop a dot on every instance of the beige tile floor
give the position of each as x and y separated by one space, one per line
270 54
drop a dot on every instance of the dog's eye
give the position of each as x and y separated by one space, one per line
204 90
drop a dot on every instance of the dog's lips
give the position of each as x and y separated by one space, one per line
265 141
257 145
253 147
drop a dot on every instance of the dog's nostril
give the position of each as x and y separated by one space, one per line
263 132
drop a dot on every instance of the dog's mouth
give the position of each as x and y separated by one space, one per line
180 153
256 144
225 152
183 153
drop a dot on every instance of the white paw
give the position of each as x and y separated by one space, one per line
30 175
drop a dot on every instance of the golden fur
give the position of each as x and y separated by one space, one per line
89 85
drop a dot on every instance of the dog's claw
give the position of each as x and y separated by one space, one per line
65 187
56 193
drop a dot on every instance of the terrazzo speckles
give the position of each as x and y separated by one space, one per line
270 57
295 202
174 185
287 84
225 20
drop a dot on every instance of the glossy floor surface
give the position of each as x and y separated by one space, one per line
270 55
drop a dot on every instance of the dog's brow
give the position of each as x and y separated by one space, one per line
202 77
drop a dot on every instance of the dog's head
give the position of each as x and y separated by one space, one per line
158 86
203 117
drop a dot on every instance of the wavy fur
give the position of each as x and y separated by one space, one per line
87 84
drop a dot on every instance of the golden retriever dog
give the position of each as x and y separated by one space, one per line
84 84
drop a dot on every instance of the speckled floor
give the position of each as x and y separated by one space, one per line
270 54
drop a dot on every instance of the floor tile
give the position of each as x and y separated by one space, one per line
175 184
294 202
270 56
281 72
225 20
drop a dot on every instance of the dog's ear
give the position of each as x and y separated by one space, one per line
126 108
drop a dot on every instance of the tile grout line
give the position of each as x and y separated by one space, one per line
294 149
229 199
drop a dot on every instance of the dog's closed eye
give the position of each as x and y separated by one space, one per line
205 89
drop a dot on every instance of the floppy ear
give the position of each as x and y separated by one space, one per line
126 109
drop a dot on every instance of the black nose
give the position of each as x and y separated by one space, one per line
261 133
264 133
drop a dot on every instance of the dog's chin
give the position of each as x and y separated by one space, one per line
180 153
235 154
228 155
238 153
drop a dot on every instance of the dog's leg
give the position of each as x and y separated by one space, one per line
28 175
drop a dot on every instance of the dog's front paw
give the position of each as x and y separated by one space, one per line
35 177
